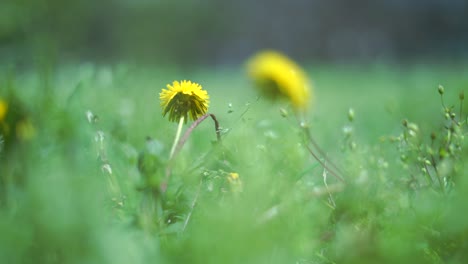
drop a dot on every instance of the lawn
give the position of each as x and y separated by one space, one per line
86 176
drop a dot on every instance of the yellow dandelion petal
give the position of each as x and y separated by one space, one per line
276 74
184 99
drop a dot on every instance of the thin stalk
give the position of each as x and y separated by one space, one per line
441 183
193 126
178 144
430 178
442 101
461 110
323 164
192 206
330 197
176 139
333 169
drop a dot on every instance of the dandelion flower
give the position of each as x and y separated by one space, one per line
275 74
182 99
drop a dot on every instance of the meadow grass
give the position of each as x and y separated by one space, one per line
85 188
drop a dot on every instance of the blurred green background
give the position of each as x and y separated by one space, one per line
84 145
226 32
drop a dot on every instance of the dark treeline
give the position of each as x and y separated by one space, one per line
211 31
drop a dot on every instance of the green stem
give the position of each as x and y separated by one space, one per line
461 112
333 169
194 202
442 101
177 137
178 144
197 122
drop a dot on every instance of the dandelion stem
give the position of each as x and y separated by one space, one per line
176 139
178 144
193 126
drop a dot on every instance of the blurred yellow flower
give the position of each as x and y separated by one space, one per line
182 98
3 109
14 125
25 130
276 74
233 176
235 182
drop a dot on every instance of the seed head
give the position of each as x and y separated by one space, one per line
441 89
351 114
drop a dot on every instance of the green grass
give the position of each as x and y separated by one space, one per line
79 191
